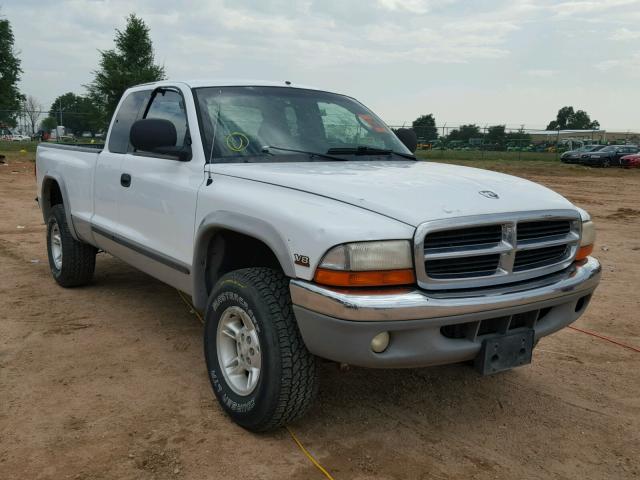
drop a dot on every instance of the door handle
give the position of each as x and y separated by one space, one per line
125 180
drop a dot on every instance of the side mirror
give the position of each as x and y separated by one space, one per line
157 135
408 137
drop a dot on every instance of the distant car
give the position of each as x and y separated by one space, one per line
608 156
20 138
631 161
573 156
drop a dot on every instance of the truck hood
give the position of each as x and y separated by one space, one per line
412 192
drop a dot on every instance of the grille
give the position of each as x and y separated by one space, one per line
538 257
463 267
463 237
538 230
491 250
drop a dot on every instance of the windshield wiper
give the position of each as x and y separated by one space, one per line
364 150
266 148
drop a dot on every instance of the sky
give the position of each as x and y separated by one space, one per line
510 62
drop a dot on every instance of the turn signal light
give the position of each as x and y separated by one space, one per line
584 252
374 278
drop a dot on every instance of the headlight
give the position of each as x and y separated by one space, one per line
367 264
587 240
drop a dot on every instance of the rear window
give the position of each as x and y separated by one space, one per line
130 110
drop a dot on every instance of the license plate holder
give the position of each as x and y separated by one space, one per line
505 352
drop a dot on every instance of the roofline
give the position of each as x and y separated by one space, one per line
228 83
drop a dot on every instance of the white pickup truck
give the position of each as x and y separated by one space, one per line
303 227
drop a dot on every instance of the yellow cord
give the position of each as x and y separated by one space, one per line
188 304
295 439
308 455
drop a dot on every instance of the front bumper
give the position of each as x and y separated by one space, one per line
339 325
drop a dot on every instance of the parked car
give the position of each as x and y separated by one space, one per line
608 156
16 137
573 156
631 161
303 227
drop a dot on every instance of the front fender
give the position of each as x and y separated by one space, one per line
240 223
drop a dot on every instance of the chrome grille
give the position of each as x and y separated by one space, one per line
485 250
464 237
463 267
549 228
539 257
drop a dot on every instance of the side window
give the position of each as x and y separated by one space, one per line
169 105
128 113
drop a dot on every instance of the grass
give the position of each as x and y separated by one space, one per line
465 155
6 146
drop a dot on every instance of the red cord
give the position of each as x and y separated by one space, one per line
597 335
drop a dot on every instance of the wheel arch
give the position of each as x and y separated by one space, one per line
211 259
54 192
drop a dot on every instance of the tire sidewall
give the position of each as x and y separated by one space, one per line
246 410
55 218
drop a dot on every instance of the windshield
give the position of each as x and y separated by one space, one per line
238 123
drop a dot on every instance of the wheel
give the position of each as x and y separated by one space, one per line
606 163
72 262
260 370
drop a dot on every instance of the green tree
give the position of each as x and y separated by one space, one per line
48 124
425 127
464 133
130 63
569 119
495 135
10 97
518 138
77 113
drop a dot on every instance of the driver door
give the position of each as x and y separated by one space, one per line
157 203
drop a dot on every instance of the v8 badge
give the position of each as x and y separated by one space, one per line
302 260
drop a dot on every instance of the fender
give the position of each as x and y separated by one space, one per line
47 180
240 223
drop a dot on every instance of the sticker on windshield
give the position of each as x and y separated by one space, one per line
237 141
372 122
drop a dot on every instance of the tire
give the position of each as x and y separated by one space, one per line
72 262
258 301
606 163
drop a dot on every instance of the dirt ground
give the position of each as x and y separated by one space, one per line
108 381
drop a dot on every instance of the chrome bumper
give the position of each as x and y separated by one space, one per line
416 304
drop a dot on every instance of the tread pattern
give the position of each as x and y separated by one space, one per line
78 258
299 377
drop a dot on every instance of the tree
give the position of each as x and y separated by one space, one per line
425 127
48 124
32 109
519 138
464 133
568 119
77 113
495 135
130 63
10 97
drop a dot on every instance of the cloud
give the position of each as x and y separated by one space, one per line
580 8
540 73
624 34
413 6
385 52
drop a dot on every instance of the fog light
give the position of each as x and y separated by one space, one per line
380 342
